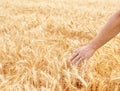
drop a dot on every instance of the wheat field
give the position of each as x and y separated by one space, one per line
37 38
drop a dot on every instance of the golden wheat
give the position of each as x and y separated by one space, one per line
37 38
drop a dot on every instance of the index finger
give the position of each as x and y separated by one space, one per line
73 56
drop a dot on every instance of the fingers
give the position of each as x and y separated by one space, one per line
77 57
76 60
73 62
74 55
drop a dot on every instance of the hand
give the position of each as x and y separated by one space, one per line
83 53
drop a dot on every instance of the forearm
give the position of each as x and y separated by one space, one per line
110 30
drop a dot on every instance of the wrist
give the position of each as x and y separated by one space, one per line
92 46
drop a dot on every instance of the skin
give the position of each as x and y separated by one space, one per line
109 30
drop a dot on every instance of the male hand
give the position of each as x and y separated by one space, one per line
83 53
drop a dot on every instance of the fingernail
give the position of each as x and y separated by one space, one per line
73 64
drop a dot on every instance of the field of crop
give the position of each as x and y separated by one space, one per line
37 38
